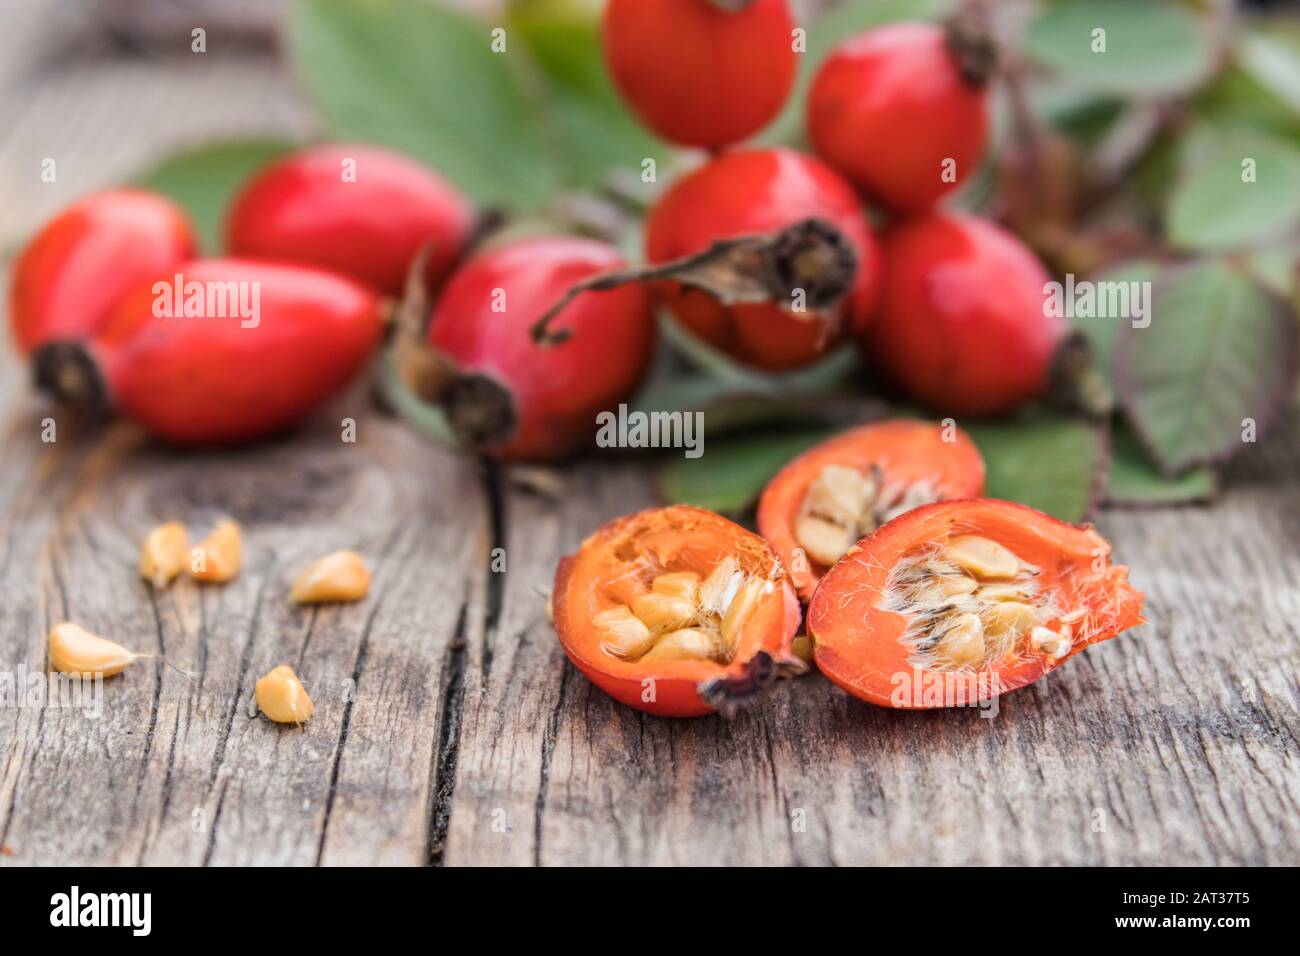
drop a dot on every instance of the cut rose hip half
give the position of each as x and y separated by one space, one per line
959 601
814 510
676 611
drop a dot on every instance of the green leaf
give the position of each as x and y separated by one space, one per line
422 78
1273 61
1152 48
1219 350
730 475
1214 208
1277 268
1047 461
204 179
1101 328
1136 480
599 134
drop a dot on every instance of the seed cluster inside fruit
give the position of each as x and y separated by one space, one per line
972 603
844 503
681 616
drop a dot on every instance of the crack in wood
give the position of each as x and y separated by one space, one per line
442 784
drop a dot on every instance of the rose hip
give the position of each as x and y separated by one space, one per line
357 210
507 394
77 267
751 192
194 374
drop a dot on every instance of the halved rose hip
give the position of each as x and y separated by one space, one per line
817 506
974 598
676 611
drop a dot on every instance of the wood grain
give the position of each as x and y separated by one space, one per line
449 728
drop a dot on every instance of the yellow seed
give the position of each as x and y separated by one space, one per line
954 585
670 603
839 494
219 556
1002 592
721 586
1009 617
625 634
824 541
1049 642
164 553
281 696
74 650
341 576
963 643
687 644
985 559
739 612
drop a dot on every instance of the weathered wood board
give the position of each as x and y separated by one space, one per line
449 728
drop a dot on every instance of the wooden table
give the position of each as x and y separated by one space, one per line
449 727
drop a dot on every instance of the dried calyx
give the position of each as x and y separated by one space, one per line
810 263
844 503
683 617
973 603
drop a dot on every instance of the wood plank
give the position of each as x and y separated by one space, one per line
178 771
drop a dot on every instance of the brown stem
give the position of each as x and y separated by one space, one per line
1074 384
731 6
811 256
970 40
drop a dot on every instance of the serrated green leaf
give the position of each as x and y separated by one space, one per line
1151 48
203 180
1136 480
1101 328
423 78
1273 61
730 475
1219 351
1247 192
1043 460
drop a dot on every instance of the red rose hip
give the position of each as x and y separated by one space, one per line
357 210
697 73
77 267
892 110
752 192
962 324
238 350
512 397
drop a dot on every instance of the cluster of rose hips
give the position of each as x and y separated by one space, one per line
949 306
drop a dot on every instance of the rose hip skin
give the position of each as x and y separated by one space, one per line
889 107
207 379
962 324
301 209
76 268
759 191
699 75
483 324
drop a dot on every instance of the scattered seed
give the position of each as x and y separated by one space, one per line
341 576
74 650
164 553
281 696
219 556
